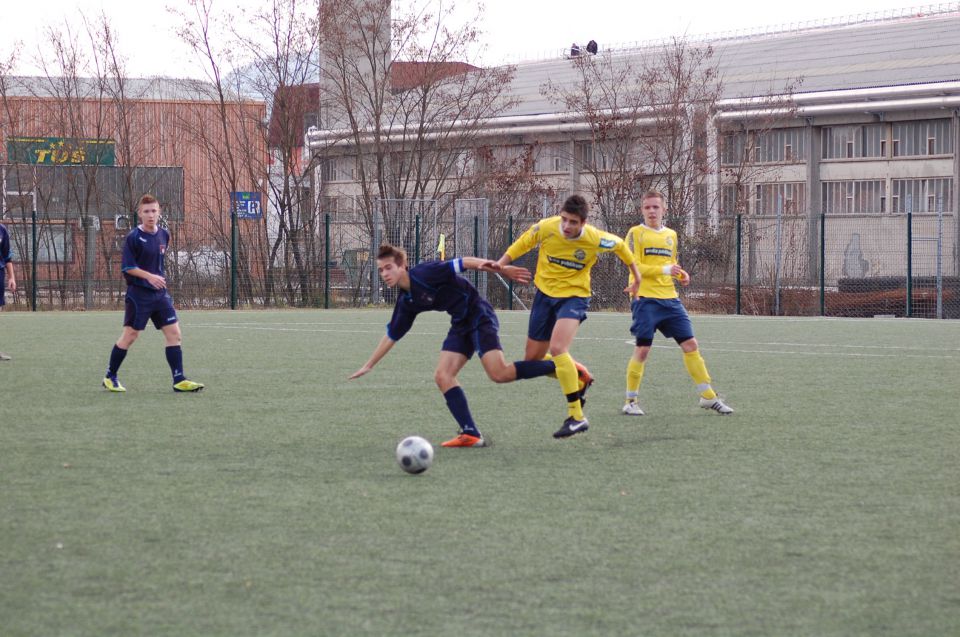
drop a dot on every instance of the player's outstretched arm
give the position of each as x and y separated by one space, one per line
512 272
516 273
385 345
634 285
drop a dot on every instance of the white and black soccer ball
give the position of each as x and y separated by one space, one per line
415 454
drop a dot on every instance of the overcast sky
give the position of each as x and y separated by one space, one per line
515 29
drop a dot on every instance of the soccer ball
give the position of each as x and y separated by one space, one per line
415 454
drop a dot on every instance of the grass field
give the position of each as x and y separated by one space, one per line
270 503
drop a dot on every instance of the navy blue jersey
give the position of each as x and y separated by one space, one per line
437 286
6 254
145 251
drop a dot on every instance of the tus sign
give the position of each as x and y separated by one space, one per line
61 151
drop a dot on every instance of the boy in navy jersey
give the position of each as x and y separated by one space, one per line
7 279
147 297
437 286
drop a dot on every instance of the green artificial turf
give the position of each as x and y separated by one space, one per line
271 504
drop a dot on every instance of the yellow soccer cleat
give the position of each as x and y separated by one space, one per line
112 384
187 385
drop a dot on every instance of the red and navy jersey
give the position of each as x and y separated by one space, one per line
145 251
437 286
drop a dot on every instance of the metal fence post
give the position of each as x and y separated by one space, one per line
416 239
33 260
739 258
940 257
476 246
778 258
823 263
326 258
233 258
509 243
909 311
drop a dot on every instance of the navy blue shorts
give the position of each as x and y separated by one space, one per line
481 335
140 308
547 309
667 315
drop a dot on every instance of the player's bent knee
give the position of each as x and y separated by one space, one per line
128 338
505 374
443 379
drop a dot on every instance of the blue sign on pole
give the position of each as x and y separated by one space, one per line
246 205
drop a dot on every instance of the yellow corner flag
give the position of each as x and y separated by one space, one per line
441 248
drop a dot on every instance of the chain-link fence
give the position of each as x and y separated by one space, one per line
783 265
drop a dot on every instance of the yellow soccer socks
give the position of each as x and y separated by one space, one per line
634 378
697 369
569 385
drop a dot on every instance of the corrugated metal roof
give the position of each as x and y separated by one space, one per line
921 49
153 88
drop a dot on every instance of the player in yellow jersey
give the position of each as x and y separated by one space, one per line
569 248
657 305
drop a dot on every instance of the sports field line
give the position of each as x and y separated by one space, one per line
260 327
739 318
895 350
297 326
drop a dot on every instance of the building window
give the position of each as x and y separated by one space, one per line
783 198
785 145
922 138
338 169
734 199
922 195
552 158
848 197
54 243
859 141
464 163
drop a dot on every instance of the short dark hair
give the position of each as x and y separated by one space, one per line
576 204
650 194
147 198
387 251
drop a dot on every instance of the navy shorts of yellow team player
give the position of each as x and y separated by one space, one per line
480 335
143 305
547 310
667 315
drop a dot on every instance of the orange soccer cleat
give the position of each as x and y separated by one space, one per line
465 440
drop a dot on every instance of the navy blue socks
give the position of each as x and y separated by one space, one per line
116 358
534 369
457 404
175 361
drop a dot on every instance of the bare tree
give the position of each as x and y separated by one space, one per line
401 103
69 99
650 118
222 135
283 69
647 116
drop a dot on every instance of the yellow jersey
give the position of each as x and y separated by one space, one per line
655 251
563 267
